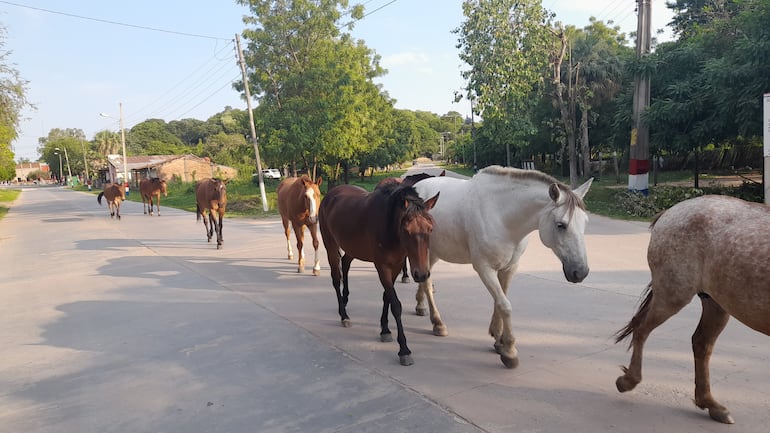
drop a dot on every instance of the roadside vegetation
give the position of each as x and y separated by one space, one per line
7 196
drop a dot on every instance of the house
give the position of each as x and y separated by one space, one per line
181 168
25 168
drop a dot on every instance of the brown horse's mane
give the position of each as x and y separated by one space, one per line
397 195
573 200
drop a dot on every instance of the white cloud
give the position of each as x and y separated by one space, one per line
409 58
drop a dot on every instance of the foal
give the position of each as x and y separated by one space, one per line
211 196
114 195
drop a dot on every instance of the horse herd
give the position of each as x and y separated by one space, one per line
713 246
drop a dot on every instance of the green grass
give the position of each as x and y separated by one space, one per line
7 196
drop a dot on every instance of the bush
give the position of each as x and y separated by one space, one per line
660 199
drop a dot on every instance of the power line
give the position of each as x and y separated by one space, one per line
117 23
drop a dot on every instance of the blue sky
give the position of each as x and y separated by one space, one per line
78 65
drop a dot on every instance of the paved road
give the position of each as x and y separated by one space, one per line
141 326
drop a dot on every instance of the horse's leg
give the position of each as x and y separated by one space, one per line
404 273
144 204
346 261
504 277
220 238
205 214
504 342
425 292
157 203
333 254
654 311
388 276
287 232
712 321
313 228
299 233
117 209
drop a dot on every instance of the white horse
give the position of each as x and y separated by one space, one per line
485 221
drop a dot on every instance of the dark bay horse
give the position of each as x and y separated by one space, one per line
407 180
211 197
114 194
298 201
150 188
385 227
714 247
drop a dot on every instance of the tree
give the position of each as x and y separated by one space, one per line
153 137
318 103
12 102
506 43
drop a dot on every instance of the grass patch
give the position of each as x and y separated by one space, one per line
7 196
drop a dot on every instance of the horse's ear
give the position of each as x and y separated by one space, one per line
431 202
553 192
443 173
318 181
583 189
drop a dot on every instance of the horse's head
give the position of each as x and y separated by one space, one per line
312 196
163 186
415 227
561 227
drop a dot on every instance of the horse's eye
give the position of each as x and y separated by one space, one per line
561 225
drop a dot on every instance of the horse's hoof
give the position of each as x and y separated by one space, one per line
219 246
498 348
346 323
420 311
300 270
440 330
316 272
509 361
404 280
291 257
405 360
386 338
721 415
625 383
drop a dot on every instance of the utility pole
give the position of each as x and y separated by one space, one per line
123 142
639 156
251 123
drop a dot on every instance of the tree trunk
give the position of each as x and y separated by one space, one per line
585 148
567 120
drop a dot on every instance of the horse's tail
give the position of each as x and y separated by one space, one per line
197 212
635 321
99 198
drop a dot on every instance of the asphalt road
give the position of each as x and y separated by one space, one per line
139 325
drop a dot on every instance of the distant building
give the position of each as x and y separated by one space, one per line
184 168
24 169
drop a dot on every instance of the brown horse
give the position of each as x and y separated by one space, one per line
211 196
150 188
410 181
114 195
384 227
298 202
714 247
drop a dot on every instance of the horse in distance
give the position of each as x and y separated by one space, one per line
114 194
486 220
714 247
384 227
298 201
211 200
150 190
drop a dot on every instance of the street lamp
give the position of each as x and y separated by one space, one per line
67 158
59 154
122 141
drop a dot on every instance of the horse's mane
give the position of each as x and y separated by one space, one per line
396 195
573 200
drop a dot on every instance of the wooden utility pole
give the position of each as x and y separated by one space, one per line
639 156
251 123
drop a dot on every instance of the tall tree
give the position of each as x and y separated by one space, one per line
318 103
506 43
12 101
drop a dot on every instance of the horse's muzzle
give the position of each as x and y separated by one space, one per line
575 274
420 277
